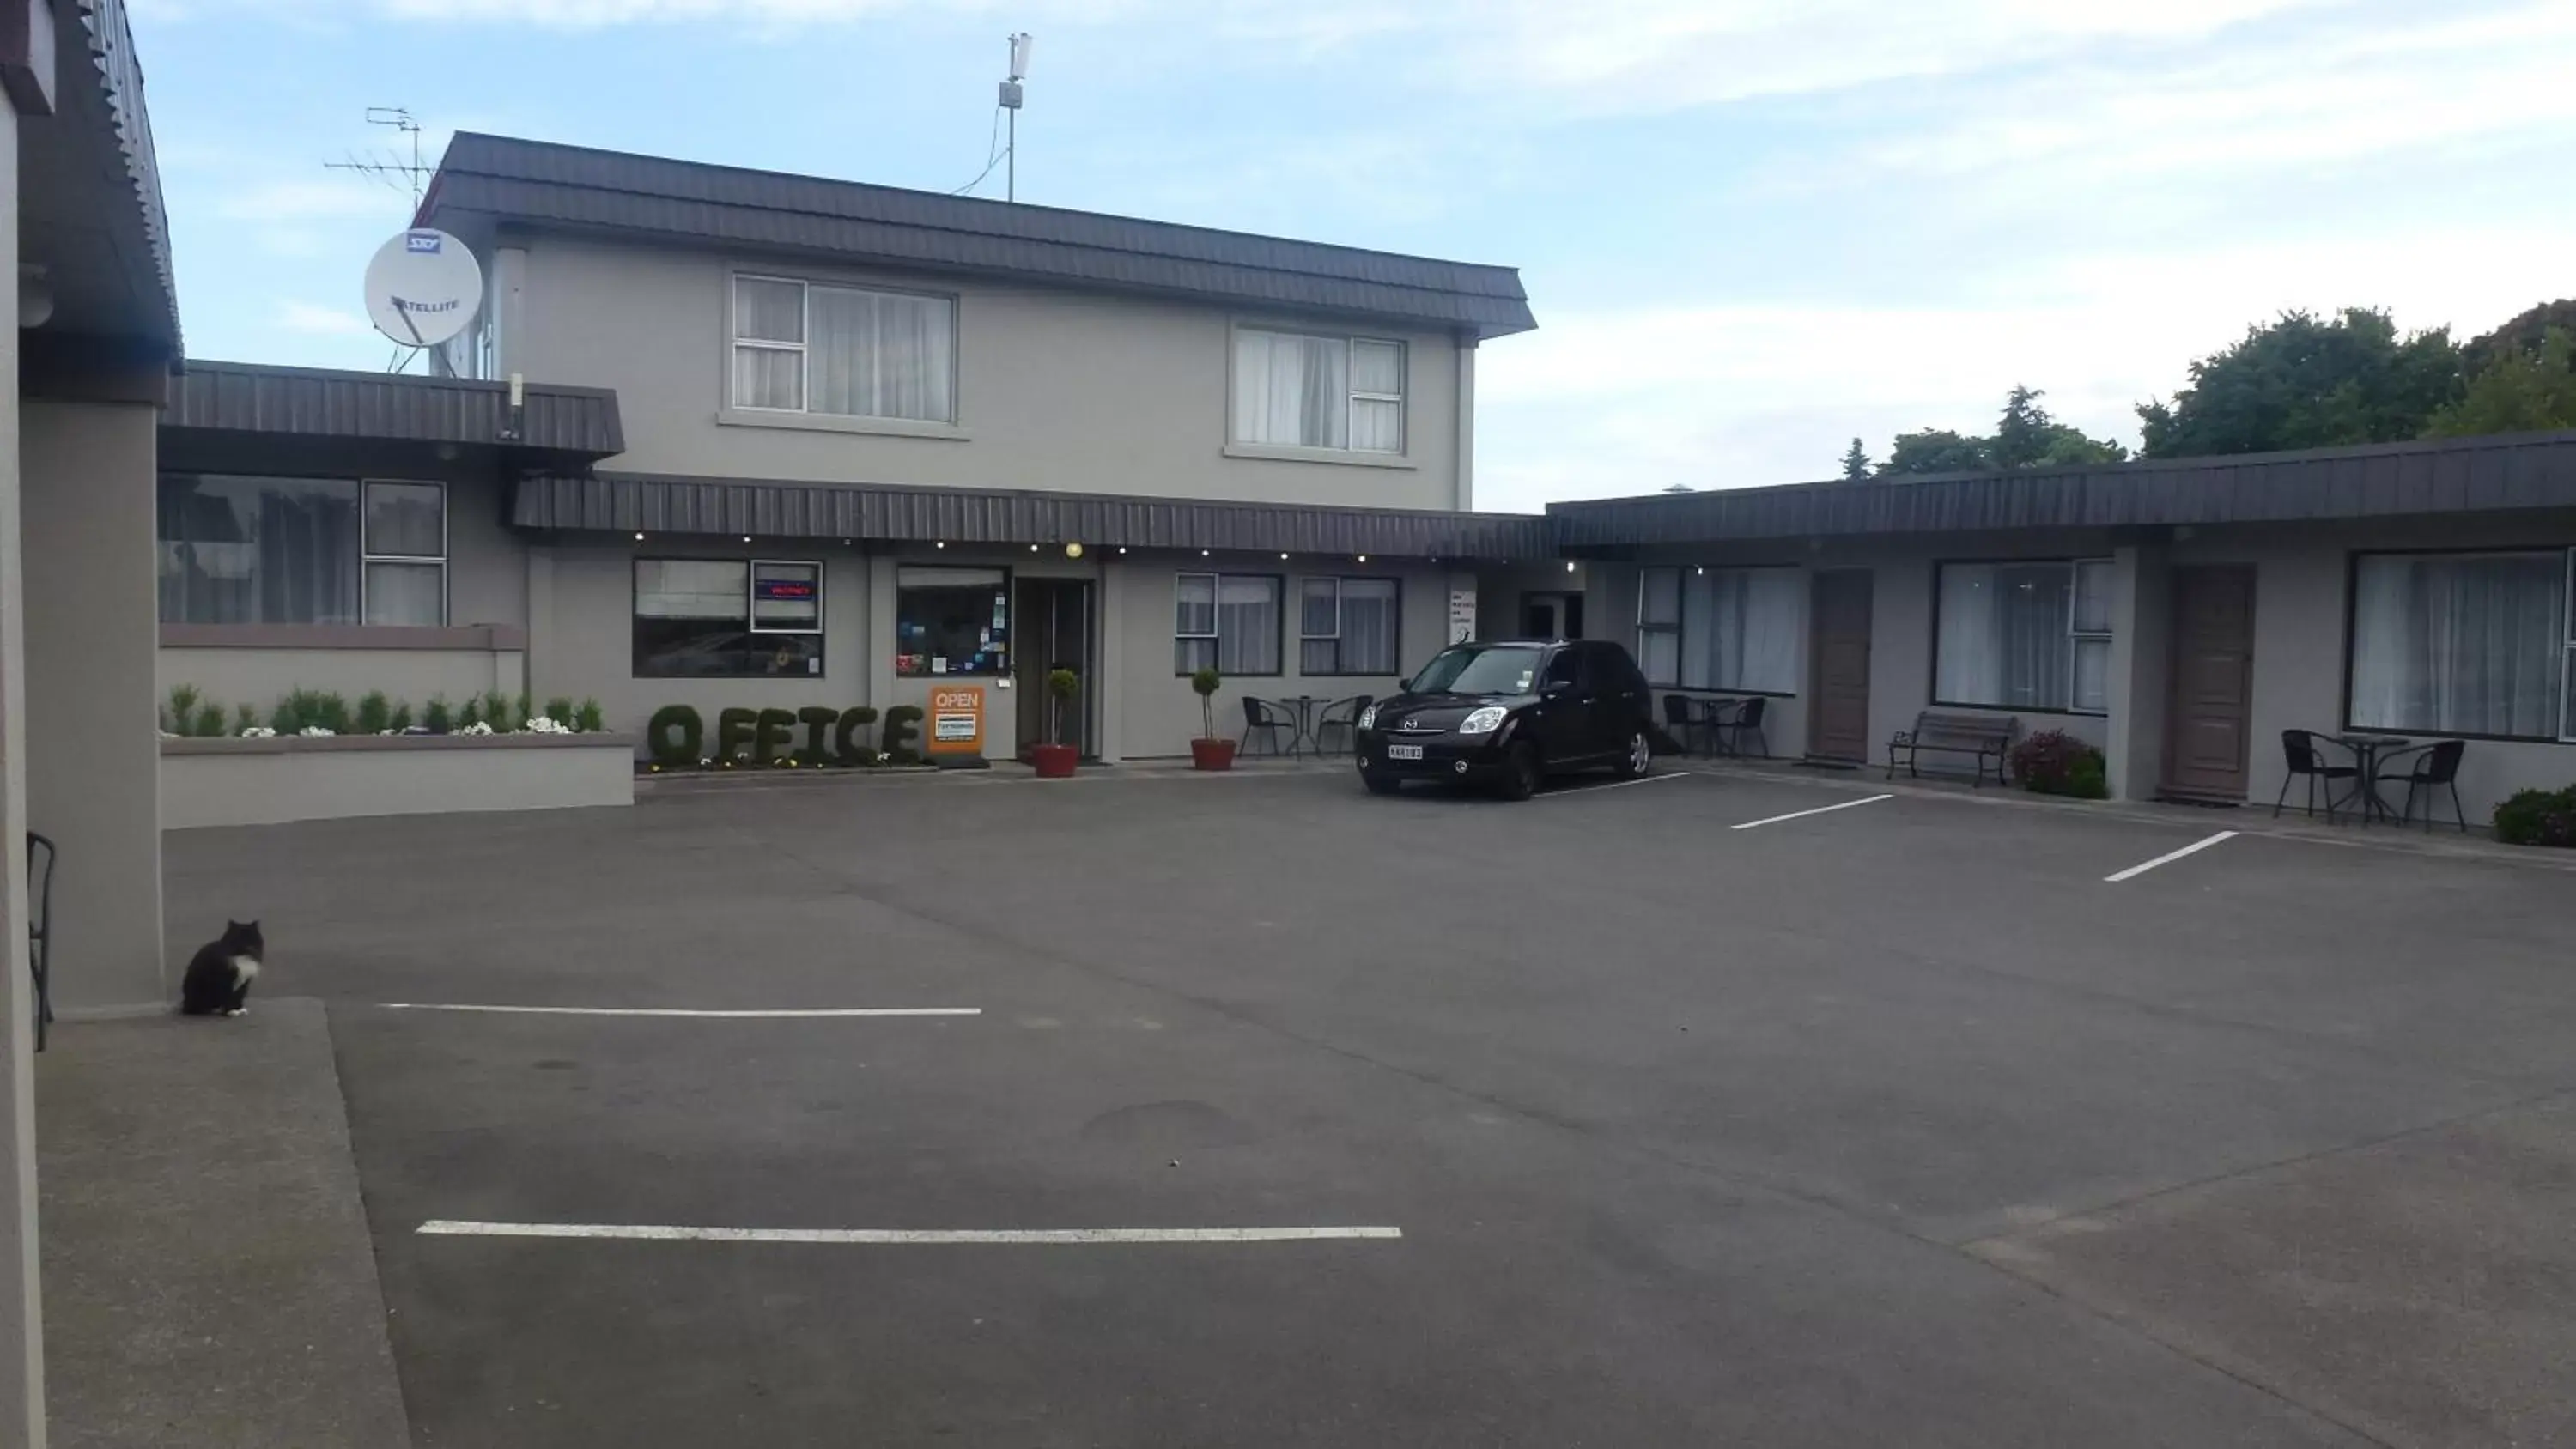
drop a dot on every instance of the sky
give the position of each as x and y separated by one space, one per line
1751 229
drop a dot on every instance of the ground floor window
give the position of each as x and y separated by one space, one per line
951 621
1230 621
1347 626
2464 644
727 618
248 550
1659 627
2032 635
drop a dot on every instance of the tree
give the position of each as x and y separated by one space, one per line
1934 450
1856 462
2524 335
2518 392
2303 382
2027 437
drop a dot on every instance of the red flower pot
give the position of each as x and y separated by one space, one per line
1212 754
1054 762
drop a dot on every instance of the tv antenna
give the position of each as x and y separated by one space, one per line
389 167
1020 44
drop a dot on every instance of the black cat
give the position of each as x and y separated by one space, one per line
219 976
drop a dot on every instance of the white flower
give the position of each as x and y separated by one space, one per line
544 725
315 732
259 732
476 728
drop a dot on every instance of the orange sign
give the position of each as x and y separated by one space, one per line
956 720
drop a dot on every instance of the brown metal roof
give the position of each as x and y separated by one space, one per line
502 179
243 397
622 503
2516 471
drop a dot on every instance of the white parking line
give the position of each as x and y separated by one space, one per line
679 1011
1573 790
2195 848
900 1237
1820 810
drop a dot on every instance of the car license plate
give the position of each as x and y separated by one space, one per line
1404 752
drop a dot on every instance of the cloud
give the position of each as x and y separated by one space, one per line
329 199
310 319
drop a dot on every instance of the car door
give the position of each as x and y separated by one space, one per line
1562 718
1621 702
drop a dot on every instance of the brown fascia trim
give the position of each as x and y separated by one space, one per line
487 638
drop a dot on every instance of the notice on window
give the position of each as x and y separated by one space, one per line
957 720
1462 616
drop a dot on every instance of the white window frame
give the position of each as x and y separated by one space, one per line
1351 400
368 556
1335 638
751 594
1215 585
2566 725
1646 627
1216 622
2076 637
805 362
2073 601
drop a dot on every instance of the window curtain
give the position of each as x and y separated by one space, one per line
1247 625
1659 618
2461 644
769 377
882 355
1292 390
2003 637
1377 397
1193 623
258 550
1740 628
1368 626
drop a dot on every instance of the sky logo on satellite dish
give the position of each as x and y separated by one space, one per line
418 242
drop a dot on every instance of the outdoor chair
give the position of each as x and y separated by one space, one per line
2300 752
1343 715
40 928
2430 768
1684 717
1746 720
1268 721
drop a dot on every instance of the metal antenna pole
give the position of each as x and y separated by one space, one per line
1011 178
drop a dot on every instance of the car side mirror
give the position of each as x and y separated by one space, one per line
1555 687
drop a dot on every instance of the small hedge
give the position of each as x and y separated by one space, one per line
2053 762
2538 817
764 738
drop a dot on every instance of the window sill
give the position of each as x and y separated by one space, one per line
834 423
1271 453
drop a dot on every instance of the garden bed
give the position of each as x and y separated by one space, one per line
223 780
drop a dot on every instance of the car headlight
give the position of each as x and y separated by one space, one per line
1484 721
1368 718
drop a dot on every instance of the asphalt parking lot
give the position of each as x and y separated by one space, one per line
1707 1110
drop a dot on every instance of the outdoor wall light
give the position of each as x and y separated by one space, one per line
1363 558
746 538
943 543
1283 558
639 538
1033 548
1203 553
1073 550
1122 550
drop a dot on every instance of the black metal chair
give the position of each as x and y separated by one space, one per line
2300 752
1261 717
1747 719
40 929
2430 768
1343 715
1684 717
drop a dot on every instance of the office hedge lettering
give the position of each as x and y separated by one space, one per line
676 737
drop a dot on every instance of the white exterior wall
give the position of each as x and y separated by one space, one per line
1056 390
268 782
22 1331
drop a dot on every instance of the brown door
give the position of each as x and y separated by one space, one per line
1053 631
1838 667
2208 719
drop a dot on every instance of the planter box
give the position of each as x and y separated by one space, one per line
268 782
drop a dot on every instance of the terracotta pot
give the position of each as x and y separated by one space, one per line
1212 754
1054 762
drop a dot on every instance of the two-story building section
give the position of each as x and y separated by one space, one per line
730 438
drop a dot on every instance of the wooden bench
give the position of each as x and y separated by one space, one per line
1985 736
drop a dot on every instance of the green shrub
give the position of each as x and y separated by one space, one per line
470 713
435 717
286 719
496 713
1061 685
183 708
331 712
560 711
2538 817
902 727
245 717
845 737
772 730
520 712
375 713
734 730
209 721
400 720
675 738
2053 762
1205 683
587 720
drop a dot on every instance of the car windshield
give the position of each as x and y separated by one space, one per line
1479 669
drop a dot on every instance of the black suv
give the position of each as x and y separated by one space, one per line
1509 714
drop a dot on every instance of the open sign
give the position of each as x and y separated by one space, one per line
957 720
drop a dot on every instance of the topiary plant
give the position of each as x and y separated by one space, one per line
183 708
845 736
1205 683
1062 685
587 719
400 720
245 719
902 727
209 721
675 737
470 714
560 711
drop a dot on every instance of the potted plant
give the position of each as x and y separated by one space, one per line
1210 751
1054 759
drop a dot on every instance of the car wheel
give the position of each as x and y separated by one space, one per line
1381 783
1639 757
1521 773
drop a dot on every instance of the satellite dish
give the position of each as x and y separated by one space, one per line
423 287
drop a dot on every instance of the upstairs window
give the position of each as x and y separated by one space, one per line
1296 390
803 347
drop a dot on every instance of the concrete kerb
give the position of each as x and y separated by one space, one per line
2249 819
